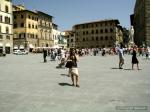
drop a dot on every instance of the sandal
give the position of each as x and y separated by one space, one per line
77 85
72 85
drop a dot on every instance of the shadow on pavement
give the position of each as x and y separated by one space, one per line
114 68
65 75
65 84
128 69
131 69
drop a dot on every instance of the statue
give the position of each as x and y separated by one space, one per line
132 35
60 39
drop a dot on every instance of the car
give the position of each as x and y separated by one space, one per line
20 52
24 52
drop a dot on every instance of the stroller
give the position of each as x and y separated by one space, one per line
62 63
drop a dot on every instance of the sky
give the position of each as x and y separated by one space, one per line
67 13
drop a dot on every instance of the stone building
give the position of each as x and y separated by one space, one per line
141 23
31 29
103 33
70 39
44 30
6 26
55 34
25 29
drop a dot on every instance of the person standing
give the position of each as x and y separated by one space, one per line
44 55
73 70
134 58
121 56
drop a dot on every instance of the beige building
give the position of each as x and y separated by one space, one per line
70 39
103 33
44 30
31 29
6 26
18 7
25 29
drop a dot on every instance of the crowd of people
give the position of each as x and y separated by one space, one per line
69 58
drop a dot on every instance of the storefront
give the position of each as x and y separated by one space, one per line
7 48
31 47
1 48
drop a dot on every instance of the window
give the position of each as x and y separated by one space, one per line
22 24
87 32
15 17
24 35
15 25
8 37
71 40
29 25
83 33
101 31
67 40
83 39
96 31
6 9
7 30
92 31
111 30
106 38
21 16
1 18
1 37
106 31
19 35
96 38
0 29
7 20
32 18
29 16
32 26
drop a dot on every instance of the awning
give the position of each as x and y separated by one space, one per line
31 46
21 47
8 45
56 46
15 47
1 44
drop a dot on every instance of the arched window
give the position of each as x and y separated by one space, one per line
1 18
6 9
7 20
7 30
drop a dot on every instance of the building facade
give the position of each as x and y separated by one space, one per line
31 29
141 23
6 26
70 39
25 29
55 34
58 37
44 30
97 34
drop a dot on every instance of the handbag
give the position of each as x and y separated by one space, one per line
69 64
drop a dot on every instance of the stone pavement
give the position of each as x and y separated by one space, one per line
29 85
